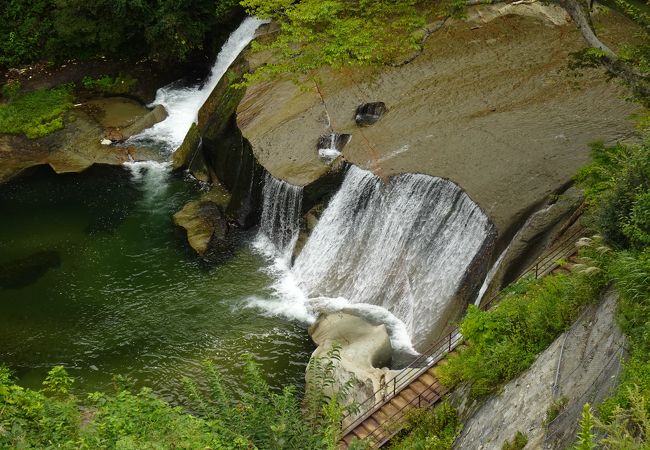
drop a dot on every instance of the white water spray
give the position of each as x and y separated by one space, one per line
329 153
183 103
393 254
404 246
280 222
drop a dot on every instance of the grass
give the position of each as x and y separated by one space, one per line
35 114
504 341
429 429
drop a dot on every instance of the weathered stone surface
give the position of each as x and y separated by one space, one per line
540 230
72 149
369 113
490 104
365 352
215 150
183 155
589 358
157 114
205 224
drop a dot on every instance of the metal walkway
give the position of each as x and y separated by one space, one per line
383 414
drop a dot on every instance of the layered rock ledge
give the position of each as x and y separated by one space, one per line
490 104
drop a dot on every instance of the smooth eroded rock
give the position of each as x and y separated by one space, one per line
490 104
365 352
205 224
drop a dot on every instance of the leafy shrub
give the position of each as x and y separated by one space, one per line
518 442
505 340
254 418
33 30
37 113
429 429
337 33
617 186
122 84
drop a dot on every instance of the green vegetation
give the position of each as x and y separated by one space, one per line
616 188
555 409
121 84
259 418
429 429
56 30
340 33
505 340
618 178
517 443
35 114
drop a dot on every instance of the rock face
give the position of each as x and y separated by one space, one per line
215 150
582 365
157 114
77 146
369 113
541 228
205 224
490 104
365 352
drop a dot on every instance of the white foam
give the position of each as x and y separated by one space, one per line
391 254
183 103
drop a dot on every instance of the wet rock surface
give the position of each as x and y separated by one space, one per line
490 104
365 352
79 144
205 224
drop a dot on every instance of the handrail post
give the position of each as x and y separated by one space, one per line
450 342
536 270
394 387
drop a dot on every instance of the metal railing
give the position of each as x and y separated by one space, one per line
545 264
427 398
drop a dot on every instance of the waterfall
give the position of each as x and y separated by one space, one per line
489 277
329 152
404 246
281 210
183 103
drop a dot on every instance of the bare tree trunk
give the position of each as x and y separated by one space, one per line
639 82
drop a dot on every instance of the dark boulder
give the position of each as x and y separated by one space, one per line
369 113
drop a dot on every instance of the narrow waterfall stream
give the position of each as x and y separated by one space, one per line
394 253
280 222
183 102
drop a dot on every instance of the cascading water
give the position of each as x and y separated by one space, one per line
404 246
393 253
183 103
280 222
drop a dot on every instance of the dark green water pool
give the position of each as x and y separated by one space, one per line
94 276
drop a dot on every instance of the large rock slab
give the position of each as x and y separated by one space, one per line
490 104
78 145
205 224
365 352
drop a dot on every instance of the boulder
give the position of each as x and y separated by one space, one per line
158 114
205 224
369 113
365 354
